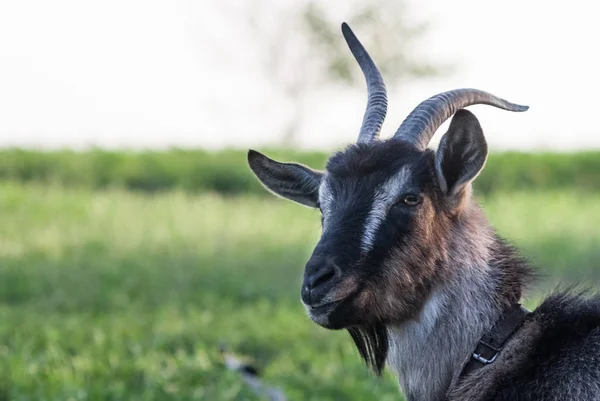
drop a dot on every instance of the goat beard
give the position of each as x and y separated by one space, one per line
372 343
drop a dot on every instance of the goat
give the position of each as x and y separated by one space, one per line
409 265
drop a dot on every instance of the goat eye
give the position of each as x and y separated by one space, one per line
410 199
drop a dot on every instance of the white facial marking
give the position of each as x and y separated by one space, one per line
385 197
325 197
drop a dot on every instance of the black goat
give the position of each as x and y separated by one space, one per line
410 266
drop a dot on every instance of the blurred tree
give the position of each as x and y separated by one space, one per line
304 48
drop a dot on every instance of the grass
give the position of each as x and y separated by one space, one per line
227 171
120 296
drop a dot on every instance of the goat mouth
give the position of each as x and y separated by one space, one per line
327 314
321 314
324 306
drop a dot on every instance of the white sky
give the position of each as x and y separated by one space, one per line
158 73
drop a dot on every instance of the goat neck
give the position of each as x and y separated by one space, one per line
485 276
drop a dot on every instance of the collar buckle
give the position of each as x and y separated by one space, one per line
485 353
478 356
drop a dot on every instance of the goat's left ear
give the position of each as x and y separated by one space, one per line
461 155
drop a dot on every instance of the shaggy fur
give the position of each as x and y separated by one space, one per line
417 287
555 355
418 283
409 265
480 282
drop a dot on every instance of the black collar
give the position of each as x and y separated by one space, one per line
491 344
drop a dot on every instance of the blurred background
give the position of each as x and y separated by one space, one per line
133 238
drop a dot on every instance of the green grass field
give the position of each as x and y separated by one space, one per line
117 296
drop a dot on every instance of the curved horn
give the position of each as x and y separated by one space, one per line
426 118
377 100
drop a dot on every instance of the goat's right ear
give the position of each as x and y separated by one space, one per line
289 180
461 155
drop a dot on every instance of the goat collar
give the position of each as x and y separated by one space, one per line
491 344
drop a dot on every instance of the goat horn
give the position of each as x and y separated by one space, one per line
377 96
420 125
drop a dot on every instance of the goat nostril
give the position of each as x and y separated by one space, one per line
323 277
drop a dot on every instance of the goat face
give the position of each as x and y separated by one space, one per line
386 211
377 203
387 206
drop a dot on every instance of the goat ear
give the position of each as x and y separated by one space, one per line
289 180
461 155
